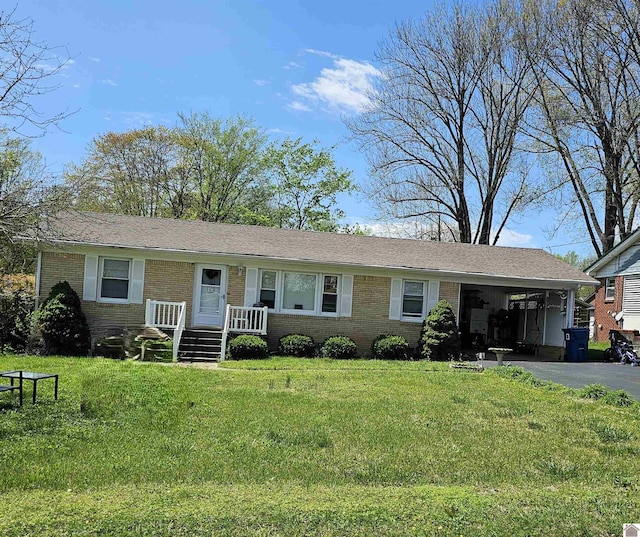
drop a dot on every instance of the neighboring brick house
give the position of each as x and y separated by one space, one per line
127 269
617 300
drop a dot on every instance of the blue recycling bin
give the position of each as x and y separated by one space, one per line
576 344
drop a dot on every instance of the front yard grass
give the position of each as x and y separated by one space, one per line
313 447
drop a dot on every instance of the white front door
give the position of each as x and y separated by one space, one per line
210 292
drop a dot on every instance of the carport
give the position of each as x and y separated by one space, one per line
522 318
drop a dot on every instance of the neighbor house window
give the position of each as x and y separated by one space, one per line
610 289
268 288
412 299
114 281
330 294
299 291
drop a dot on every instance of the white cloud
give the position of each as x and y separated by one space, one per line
342 88
109 82
277 130
295 65
297 106
136 119
260 82
416 228
321 53
508 237
94 59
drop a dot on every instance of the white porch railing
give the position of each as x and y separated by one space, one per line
247 320
163 314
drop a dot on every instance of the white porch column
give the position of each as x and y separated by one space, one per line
544 318
526 314
571 304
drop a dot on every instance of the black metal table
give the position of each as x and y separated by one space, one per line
34 377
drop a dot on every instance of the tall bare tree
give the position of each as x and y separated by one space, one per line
28 193
27 70
444 121
588 89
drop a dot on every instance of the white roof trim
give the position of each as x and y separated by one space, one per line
620 248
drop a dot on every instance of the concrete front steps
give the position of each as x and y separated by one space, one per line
200 345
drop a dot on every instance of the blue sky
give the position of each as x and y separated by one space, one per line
296 67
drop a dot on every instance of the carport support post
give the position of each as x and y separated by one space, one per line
571 304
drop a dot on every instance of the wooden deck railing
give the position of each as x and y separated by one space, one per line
162 314
245 320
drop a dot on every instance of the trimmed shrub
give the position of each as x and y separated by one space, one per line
439 338
17 300
62 323
297 345
340 347
247 347
389 348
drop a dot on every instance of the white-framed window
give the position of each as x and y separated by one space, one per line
268 287
114 279
413 299
330 293
610 289
302 293
299 292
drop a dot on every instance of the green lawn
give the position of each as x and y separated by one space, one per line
311 447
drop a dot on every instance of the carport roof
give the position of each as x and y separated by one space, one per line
162 234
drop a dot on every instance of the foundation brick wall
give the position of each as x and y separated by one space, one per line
173 281
370 317
602 307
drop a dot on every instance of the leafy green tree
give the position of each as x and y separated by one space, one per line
135 172
439 338
223 160
27 196
306 183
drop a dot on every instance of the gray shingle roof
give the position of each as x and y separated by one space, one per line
330 248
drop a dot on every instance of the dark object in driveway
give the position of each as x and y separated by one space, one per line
621 349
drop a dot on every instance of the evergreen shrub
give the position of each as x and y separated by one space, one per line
297 345
439 338
340 347
247 347
62 324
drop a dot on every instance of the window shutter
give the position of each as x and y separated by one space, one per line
395 303
137 281
90 285
433 296
251 287
346 295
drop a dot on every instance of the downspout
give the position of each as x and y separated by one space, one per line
38 272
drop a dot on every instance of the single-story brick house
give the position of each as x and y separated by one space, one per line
617 300
180 274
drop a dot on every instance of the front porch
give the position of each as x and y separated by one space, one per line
206 343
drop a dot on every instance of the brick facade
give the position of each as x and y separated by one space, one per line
173 281
603 307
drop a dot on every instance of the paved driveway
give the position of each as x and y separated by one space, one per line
577 375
